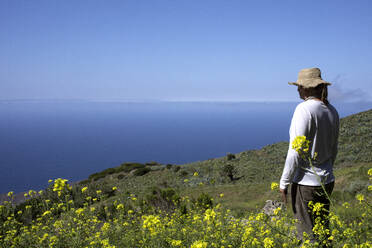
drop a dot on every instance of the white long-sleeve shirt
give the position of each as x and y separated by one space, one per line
320 124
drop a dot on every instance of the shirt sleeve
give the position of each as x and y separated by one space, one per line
300 125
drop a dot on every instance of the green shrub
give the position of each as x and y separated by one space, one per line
141 171
84 182
97 176
204 201
183 173
229 171
230 156
152 163
164 199
128 167
120 176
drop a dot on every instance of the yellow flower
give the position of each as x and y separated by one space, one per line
301 145
196 217
84 189
151 223
315 155
370 172
196 174
46 213
305 243
274 186
53 240
222 195
186 180
268 243
210 214
45 236
176 242
114 188
255 242
318 207
79 211
106 244
10 193
360 197
370 188
105 227
99 192
277 210
59 185
247 234
260 216
199 244
120 206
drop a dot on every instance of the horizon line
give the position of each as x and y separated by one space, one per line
150 100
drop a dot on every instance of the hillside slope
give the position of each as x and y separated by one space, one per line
252 170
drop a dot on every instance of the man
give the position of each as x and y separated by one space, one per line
318 120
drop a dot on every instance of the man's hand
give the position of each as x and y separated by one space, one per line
284 195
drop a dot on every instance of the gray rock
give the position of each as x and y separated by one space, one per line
271 205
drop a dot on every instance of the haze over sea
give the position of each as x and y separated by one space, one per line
73 139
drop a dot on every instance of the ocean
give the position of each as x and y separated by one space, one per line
46 140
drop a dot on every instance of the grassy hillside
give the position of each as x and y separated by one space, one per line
253 170
355 142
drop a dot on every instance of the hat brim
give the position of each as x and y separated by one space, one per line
313 84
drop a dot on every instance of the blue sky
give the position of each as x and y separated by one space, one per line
182 50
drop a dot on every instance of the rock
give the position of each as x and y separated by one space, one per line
271 205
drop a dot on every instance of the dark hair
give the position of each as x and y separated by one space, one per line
320 92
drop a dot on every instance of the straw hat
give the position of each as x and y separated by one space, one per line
309 78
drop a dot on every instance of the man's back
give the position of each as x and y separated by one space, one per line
320 124
323 129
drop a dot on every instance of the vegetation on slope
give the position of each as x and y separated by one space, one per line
252 169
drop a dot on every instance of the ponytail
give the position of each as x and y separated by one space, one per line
324 95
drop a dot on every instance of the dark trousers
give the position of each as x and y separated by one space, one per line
301 196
